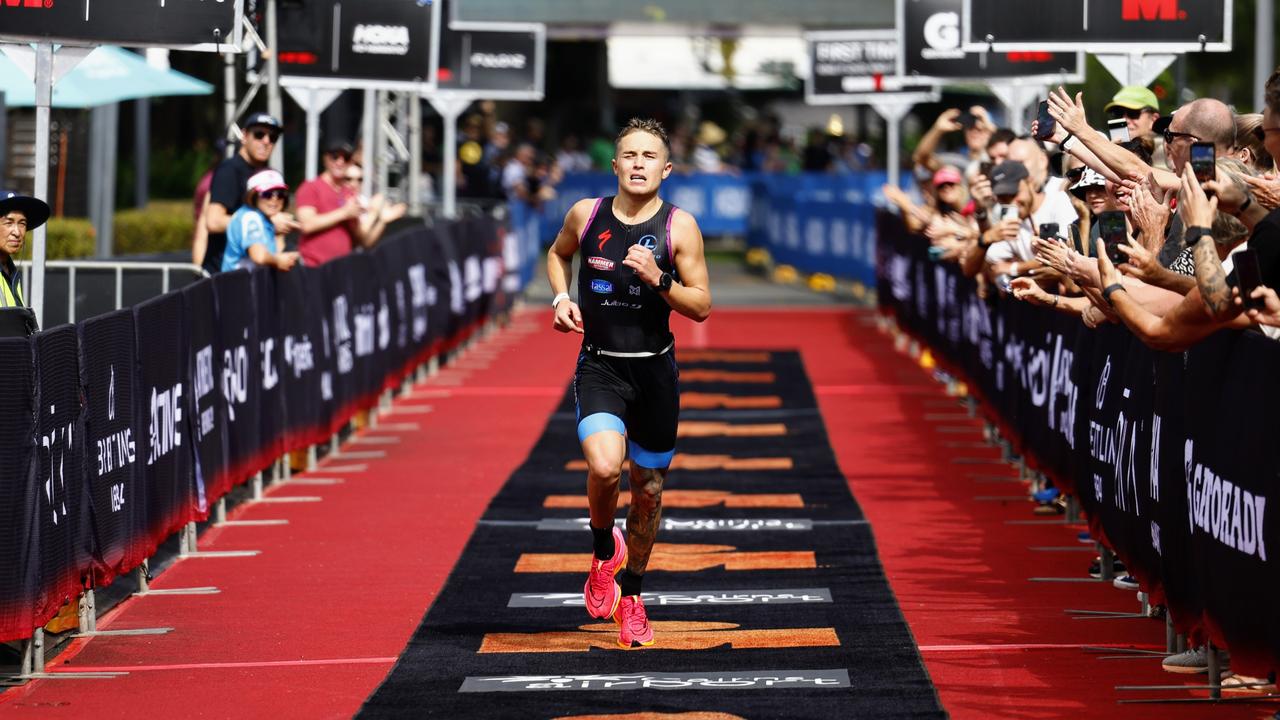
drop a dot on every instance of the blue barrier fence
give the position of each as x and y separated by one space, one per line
813 222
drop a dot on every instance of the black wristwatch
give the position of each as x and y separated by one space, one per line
664 282
1193 234
1110 290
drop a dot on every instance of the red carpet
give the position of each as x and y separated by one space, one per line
309 627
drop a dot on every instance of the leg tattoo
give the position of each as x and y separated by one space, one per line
644 515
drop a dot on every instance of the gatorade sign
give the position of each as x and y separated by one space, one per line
932 39
1115 26
181 24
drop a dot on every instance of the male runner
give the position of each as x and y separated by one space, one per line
641 258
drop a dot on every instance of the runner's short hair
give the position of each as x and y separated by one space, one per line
649 125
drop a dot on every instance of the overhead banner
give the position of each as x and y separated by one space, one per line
178 24
849 66
1115 26
387 44
931 38
112 473
501 64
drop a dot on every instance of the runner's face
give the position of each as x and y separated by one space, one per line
641 163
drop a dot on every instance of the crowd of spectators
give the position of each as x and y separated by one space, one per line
242 216
1165 223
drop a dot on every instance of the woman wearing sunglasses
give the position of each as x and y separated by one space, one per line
255 235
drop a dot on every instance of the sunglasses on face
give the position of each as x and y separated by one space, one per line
1170 136
1117 113
343 156
268 135
275 195
1074 175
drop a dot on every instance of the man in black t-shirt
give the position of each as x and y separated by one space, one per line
230 180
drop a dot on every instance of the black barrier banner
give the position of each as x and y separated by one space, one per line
112 471
18 488
208 410
302 357
164 447
60 521
1172 456
241 369
118 431
272 423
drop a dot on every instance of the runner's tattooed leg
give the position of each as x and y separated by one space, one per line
644 516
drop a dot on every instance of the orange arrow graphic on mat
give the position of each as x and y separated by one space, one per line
692 499
675 636
727 376
673 557
713 401
724 356
683 461
695 428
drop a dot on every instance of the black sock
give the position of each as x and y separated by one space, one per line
602 540
629 582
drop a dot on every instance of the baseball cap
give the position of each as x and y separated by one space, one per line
338 145
263 119
1090 178
1006 176
1134 97
36 210
265 180
947 175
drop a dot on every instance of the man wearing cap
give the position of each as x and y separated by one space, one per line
18 214
1023 207
1140 109
230 181
329 209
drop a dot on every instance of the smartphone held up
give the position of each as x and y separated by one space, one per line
1112 230
1203 161
1046 126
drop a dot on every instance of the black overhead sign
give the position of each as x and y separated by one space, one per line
932 35
852 62
188 24
366 42
1098 26
493 60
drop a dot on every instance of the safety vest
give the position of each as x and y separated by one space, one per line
12 294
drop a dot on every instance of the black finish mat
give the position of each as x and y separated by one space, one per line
765 590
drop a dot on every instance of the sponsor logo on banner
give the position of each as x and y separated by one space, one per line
380 40
422 295
166 419
342 340
602 287
366 321
204 385
270 376
1146 10
1234 516
499 61
116 450
1118 447
56 446
36 4
298 355
235 378
600 263
942 35
746 680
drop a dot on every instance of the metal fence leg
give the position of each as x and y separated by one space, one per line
220 510
286 469
311 458
143 578
256 485
433 366
1170 635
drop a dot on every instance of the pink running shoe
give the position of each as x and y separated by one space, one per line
601 591
633 623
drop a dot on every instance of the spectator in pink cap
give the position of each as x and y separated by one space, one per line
255 235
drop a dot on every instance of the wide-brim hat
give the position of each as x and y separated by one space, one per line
36 210
1089 178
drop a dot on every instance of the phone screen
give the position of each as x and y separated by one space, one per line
1112 229
1203 158
1249 275
1118 130
1047 124
1049 231
984 168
